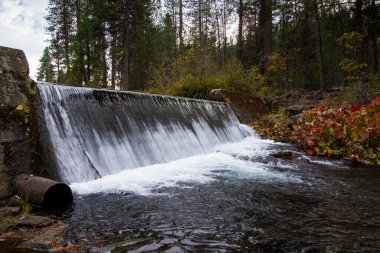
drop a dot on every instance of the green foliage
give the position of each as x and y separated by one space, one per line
45 70
276 127
196 80
275 73
26 207
23 111
350 131
356 71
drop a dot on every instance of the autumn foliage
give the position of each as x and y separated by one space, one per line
351 131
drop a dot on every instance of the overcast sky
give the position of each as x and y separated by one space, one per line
22 26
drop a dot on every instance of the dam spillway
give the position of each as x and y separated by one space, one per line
94 132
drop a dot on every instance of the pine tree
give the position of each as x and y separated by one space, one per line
45 71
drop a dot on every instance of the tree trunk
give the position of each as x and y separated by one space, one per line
224 32
88 61
374 33
126 40
218 36
113 62
104 56
322 75
200 24
125 64
240 34
375 54
180 28
265 29
66 39
81 67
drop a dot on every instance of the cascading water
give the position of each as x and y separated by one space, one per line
198 184
95 132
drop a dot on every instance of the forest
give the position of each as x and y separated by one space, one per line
188 47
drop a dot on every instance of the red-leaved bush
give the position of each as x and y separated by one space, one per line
350 131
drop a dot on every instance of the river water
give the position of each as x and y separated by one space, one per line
238 198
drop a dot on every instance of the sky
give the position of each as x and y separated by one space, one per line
22 26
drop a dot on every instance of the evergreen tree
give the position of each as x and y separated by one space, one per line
124 43
45 71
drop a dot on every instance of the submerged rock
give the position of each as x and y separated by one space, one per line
286 155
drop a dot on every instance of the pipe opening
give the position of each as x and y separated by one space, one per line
58 195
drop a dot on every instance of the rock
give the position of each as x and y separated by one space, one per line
5 176
293 110
11 236
247 107
4 228
14 75
46 238
292 103
14 83
9 211
8 135
14 202
33 221
286 155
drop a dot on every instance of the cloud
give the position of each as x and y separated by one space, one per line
22 26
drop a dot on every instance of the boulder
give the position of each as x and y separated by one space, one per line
247 107
14 76
14 84
285 155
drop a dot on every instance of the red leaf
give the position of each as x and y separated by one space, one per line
355 108
376 119
374 106
338 134
363 136
310 142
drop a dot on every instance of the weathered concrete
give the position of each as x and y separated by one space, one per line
14 84
247 108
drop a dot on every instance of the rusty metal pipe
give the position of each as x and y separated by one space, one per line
42 192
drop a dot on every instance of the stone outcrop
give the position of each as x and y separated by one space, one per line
14 84
14 76
293 103
247 108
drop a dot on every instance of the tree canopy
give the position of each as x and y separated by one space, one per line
238 44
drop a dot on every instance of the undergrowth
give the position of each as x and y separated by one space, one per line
348 131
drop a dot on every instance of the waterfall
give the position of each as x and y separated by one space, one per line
96 132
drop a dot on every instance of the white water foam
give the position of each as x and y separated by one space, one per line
224 161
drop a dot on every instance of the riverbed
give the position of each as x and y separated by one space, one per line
238 198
